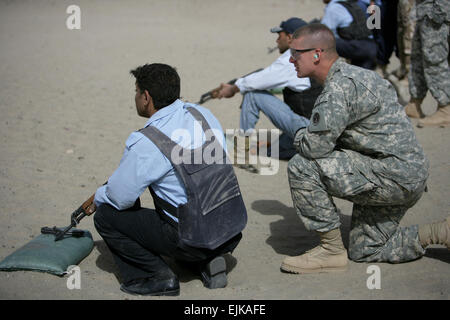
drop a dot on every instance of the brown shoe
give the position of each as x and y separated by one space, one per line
413 109
329 256
441 118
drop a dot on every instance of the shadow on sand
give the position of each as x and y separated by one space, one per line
288 236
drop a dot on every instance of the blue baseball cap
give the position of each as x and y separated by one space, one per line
289 26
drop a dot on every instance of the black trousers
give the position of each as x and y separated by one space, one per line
362 53
386 37
138 237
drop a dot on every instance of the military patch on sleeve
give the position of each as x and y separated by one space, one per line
318 123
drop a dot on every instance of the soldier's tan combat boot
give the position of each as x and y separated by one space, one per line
329 256
435 233
440 118
414 110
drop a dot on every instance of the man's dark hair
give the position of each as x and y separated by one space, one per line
160 80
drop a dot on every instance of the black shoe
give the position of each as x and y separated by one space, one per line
214 273
152 287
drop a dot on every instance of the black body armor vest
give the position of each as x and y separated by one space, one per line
303 102
357 30
215 211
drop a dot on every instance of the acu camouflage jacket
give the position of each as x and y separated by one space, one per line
358 113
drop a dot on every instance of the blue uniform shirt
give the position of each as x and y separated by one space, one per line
364 4
143 164
336 16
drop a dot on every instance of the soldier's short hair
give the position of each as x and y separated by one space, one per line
317 35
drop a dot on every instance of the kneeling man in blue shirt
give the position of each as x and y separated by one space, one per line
137 237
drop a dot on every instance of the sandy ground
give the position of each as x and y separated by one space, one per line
66 103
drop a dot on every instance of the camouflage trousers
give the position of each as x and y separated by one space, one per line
405 27
429 61
378 206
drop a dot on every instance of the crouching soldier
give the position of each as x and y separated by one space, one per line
360 146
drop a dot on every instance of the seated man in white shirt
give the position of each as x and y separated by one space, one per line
299 94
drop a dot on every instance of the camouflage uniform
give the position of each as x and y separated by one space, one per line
405 25
430 51
405 30
360 146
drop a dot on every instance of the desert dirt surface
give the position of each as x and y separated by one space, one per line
67 107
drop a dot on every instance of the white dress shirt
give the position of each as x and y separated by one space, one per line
281 73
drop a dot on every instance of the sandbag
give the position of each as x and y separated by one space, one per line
44 254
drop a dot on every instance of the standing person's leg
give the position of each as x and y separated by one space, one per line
435 52
405 30
389 27
386 37
418 87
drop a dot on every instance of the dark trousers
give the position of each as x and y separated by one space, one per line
386 37
138 237
362 53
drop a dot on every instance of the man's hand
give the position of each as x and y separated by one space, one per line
226 91
91 209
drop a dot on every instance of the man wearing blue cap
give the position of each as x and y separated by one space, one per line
299 94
